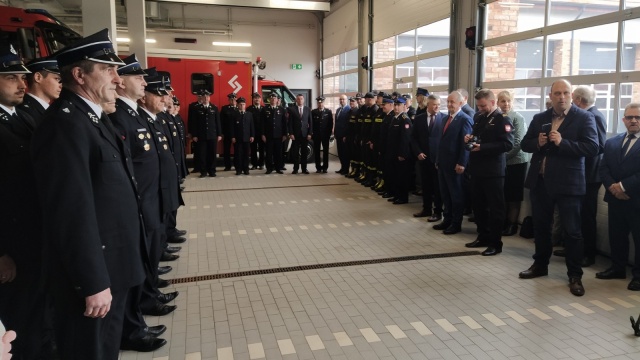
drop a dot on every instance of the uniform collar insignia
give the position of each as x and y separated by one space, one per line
131 112
93 117
26 105
4 117
66 110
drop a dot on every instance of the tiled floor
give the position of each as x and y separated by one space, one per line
467 307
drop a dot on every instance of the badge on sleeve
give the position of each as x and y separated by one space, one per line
406 126
507 128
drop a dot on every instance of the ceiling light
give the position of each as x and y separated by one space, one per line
516 4
150 41
123 39
126 40
225 43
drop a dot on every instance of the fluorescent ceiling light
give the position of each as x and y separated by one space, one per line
605 49
515 4
126 40
225 43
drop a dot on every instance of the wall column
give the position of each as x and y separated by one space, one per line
97 15
136 23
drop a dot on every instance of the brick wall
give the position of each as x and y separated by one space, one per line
501 59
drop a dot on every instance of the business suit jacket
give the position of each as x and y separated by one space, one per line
87 189
435 134
468 110
32 107
616 168
451 150
564 169
242 128
341 122
420 135
299 126
592 163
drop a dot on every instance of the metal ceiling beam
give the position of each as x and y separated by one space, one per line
267 4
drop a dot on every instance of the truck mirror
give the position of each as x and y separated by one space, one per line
201 81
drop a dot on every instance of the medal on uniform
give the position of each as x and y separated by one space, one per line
148 136
147 147
165 146
140 136
174 134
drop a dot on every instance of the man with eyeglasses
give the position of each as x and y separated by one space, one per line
619 170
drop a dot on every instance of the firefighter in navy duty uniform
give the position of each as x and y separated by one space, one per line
44 87
322 132
275 132
93 230
205 131
257 146
242 135
227 114
488 144
398 152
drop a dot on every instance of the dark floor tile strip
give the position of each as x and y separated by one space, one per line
320 266
263 188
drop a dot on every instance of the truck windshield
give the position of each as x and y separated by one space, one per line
56 37
287 97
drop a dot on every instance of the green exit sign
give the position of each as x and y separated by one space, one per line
296 66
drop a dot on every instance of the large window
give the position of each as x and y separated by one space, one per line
526 50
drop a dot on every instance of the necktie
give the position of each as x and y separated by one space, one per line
430 123
300 109
339 111
625 147
447 124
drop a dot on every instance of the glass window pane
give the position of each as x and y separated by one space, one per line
384 50
631 4
511 16
349 60
330 65
516 60
433 37
584 51
406 44
383 78
630 47
434 71
562 11
330 85
349 83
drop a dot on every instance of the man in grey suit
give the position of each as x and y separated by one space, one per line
620 172
559 138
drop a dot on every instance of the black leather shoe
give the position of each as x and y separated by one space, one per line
575 286
434 218
163 283
471 219
165 298
227 169
268 172
491 251
202 176
400 201
339 171
392 199
443 225
246 172
559 252
387 195
588 261
611 273
164 270
305 171
212 175
294 172
156 331
176 240
534 271
145 344
422 214
180 232
476 244
324 171
159 309
452 230
510 230
318 171
172 249
279 171
238 172
634 285
168 257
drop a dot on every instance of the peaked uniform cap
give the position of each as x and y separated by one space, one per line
96 47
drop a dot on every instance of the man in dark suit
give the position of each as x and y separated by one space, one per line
205 130
559 138
92 225
487 145
451 161
44 87
257 146
275 132
322 120
227 114
23 307
465 105
300 127
340 132
194 146
620 173
436 122
242 135
584 97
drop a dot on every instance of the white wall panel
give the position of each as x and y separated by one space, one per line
395 17
341 30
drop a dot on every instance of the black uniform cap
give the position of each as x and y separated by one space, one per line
241 100
256 95
96 47
131 66
320 99
10 62
369 96
232 96
48 63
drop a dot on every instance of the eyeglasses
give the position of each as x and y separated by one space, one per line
632 117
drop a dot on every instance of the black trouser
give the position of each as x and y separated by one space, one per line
226 149
79 337
355 153
343 153
623 219
400 174
207 155
133 326
300 152
488 208
324 163
589 214
257 152
149 288
431 200
569 207
273 149
241 155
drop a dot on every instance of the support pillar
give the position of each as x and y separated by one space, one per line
97 15
136 23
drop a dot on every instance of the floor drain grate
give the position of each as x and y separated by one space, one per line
264 187
319 266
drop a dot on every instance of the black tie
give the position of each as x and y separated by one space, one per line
625 147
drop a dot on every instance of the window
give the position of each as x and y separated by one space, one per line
563 11
200 82
507 17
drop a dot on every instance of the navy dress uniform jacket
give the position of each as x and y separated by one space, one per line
564 167
258 124
204 122
322 123
399 138
242 128
495 139
32 107
275 122
85 183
